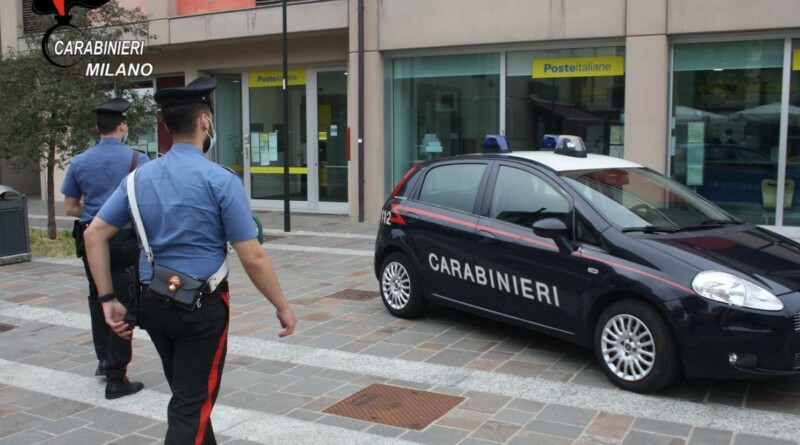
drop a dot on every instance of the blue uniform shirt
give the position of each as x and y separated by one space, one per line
96 173
190 208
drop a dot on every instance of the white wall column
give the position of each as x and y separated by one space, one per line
647 100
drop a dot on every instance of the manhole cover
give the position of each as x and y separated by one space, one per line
354 294
392 405
6 327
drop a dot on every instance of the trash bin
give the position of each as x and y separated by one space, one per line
15 243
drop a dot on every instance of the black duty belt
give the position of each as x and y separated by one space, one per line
221 288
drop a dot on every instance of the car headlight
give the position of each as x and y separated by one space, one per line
730 289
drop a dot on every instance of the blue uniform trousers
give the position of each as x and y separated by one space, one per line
192 347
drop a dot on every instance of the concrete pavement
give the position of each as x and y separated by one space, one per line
519 387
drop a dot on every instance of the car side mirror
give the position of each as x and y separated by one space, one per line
554 229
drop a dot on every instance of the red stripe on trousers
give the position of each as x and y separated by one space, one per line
213 378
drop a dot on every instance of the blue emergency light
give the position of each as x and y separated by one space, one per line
496 143
549 142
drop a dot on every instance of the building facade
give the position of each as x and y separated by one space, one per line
706 91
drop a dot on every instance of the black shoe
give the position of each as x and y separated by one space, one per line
101 368
121 388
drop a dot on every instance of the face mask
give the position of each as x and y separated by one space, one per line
125 137
209 143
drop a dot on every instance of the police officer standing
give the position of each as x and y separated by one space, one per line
190 207
93 175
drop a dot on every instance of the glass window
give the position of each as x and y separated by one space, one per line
791 213
266 142
726 121
442 106
639 198
144 137
567 91
454 186
523 198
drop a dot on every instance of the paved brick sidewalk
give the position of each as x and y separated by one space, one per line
519 387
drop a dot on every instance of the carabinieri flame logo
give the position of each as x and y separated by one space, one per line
61 9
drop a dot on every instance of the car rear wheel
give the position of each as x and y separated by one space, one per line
401 290
635 347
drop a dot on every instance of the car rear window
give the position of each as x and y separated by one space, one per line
454 186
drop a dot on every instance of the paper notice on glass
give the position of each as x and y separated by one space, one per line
431 143
334 131
694 163
616 151
696 132
264 155
255 155
615 134
152 147
273 146
255 142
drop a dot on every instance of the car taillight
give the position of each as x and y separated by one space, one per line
403 181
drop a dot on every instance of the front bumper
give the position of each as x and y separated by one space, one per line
767 343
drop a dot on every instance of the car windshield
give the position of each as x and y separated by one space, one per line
639 199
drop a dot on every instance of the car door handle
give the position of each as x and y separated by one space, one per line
484 235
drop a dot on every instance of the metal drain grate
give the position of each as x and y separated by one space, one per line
392 405
268 238
4 327
354 295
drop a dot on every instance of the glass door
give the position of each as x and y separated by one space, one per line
332 136
228 123
267 152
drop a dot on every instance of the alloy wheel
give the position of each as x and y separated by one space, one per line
396 286
628 347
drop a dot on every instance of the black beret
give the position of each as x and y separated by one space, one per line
198 91
114 107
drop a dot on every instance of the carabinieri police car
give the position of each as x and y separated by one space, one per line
598 251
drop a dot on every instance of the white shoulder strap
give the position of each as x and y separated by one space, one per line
213 281
137 218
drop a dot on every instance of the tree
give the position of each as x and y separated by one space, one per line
45 117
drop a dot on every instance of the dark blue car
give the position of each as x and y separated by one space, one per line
598 251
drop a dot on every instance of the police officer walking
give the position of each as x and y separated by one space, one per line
190 207
93 175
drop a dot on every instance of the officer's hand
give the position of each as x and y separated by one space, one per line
288 320
114 313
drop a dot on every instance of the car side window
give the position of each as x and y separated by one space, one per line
523 198
454 186
584 234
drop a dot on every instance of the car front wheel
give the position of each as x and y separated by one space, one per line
401 290
635 347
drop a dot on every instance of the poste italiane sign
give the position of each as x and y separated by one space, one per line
579 67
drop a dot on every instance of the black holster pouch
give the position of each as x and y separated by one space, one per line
128 292
77 234
181 290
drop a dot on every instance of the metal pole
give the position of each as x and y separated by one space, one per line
287 224
361 179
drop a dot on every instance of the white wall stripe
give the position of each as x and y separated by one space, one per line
321 234
777 425
311 249
266 231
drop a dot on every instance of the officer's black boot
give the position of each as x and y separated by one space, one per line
116 388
